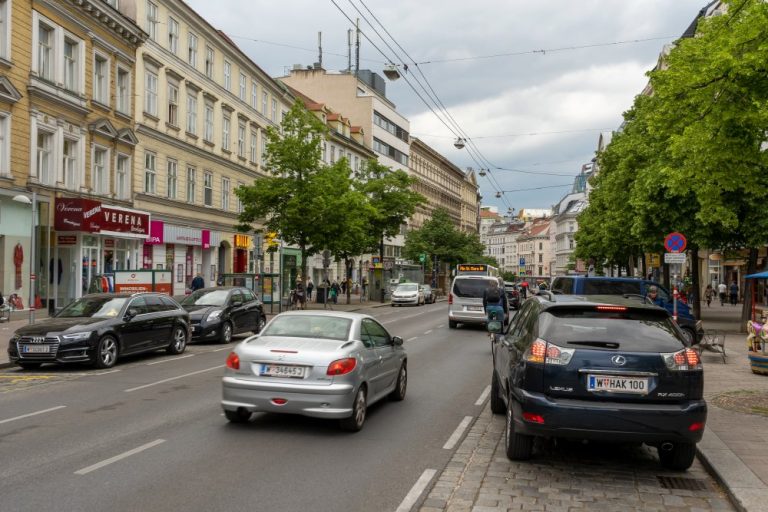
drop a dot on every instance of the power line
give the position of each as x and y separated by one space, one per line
528 134
538 188
284 45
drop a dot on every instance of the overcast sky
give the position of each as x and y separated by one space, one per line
504 103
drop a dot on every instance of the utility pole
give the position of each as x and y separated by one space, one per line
349 50
320 48
357 71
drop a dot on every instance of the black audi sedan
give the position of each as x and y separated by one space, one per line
101 327
220 312
598 368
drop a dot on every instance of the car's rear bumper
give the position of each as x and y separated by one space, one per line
467 317
610 421
331 401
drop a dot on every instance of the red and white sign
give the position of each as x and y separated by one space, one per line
155 233
109 243
133 282
87 215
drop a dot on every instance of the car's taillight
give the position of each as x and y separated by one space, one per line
533 418
541 350
686 359
450 298
342 366
611 308
233 361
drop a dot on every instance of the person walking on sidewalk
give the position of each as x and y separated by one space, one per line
722 290
734 289
709 293
310 287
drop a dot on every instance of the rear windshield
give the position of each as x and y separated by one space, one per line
600 287
634 330
309 326
563 285
470 288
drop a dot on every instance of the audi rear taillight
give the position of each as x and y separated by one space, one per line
233 361
450 298
342 366
541 351
684 360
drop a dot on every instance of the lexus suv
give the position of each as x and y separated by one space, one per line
598 368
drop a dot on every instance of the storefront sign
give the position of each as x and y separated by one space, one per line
92 216
206 239
109 243
124 222
143 281
62 240
155 233
187 236
243 241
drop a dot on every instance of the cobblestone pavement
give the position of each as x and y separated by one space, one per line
563 477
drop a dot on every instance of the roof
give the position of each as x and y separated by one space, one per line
487 214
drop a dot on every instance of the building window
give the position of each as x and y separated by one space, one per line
122 171
209 55
69 160
149 172
324 151
123 91
152 20
173 104
5 29
208 128
208 189
71 50
225 194
254 145
541 246
173 35
357 163
192 114
263 150
243 87
541 258
101 80
150 94
100 174
274 110
240 207
171 179
192 56
44 155
254 95
333 154
264 103
241 140
227 75
45 39
225 132
191 178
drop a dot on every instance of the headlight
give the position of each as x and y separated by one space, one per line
214 315
76 336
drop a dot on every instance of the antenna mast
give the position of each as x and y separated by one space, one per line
349 50
357 47
320 48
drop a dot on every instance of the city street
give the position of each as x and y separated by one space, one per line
149 435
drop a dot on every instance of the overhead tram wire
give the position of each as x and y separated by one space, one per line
538 188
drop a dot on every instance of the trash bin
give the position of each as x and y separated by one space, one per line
320 294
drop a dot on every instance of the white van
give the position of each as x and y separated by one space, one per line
465 300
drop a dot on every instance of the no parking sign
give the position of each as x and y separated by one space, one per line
675 242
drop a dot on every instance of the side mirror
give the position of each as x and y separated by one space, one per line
132 312
397 341
495 326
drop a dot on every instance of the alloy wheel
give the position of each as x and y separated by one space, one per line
179 340
108 352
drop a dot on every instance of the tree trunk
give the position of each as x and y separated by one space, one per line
348 276
665 276
643 266
746 311
631 267
696 287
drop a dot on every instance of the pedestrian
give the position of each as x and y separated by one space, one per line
197 283
310 287
709 293
495 303
300 300
344 286
722 290
734 291
335 289
653 296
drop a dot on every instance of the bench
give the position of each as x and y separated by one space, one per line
714 341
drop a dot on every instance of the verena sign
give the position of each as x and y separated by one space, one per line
93 217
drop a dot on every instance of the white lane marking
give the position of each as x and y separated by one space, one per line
173 378
104 373
483 395
171 359
411 339
454 439
116 458
413 495
33 414
427 332
220 349
441 326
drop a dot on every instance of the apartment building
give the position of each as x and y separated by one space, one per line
202 107
67 141
439 181
534 249
470 203
565 222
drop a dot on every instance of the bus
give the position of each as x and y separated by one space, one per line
477 269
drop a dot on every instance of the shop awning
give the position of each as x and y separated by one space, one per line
759 275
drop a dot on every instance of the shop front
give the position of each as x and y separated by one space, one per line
290 269
92 239
243 246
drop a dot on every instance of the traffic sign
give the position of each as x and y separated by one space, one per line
674 257
522 262
422 257
675 242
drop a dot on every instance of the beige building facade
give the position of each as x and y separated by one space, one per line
440 181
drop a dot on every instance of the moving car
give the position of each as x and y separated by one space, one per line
465 300
324 364
407 293
601 368
219 313
99 328
429 294
601 285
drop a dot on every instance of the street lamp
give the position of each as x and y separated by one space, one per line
21 198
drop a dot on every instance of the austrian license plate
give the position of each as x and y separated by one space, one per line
616 384
280 370
35 349
474 308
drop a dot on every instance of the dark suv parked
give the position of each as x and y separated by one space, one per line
602 368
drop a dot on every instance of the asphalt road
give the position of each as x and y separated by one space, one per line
149 434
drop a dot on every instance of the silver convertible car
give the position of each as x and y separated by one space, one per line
315 363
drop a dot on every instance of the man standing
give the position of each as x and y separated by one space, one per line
310 287
197 283
734 289
721 291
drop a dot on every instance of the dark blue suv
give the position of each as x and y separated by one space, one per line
598 368
629 286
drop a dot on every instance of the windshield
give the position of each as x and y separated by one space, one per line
309 326
96 307
206 298
407 288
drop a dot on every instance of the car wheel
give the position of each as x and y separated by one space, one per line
401 385
106 352
238 416
452 324
356 420
226 333
392 305
178 341
690 335
497 404
30 366
518 446
260 324
679 458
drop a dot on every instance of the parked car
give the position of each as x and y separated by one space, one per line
407 293
465 300
629 286
513 295
602 368
429 294
101 327
220 312
315 363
